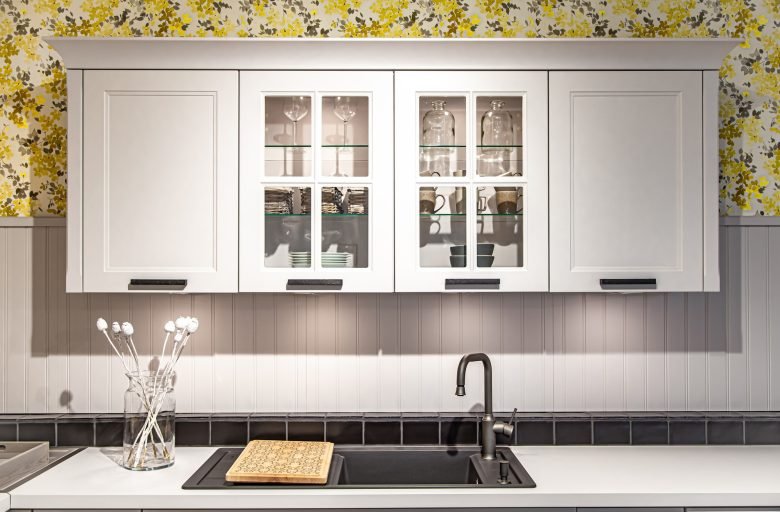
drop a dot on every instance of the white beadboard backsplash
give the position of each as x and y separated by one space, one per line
398 352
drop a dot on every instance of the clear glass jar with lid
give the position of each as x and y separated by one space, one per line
496 140
438 141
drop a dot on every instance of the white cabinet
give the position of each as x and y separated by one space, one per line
471 181
626 181
392 165
316 181
160 180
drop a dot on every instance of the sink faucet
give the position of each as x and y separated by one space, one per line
490 427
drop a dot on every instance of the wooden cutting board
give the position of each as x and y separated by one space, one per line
282 462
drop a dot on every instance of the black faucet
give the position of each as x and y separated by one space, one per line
490 427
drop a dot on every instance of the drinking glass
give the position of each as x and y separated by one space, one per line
295 109
345 109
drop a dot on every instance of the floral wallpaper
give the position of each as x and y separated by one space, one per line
32 79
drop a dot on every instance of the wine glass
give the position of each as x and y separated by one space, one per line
345 109
295 109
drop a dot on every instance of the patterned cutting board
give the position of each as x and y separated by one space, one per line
282 462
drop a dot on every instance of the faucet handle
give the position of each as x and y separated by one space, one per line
501 427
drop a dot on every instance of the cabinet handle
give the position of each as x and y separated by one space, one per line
170 285
315 284
472 284
628 284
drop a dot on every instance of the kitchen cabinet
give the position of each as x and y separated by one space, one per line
626 181
317 178
160 181
375 165
471 181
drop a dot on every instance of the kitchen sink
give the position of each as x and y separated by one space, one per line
386 467
434 466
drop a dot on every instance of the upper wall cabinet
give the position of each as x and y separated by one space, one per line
376 165
471 181
626 178
316 181
160 181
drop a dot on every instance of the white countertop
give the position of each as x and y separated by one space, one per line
5 502
587 476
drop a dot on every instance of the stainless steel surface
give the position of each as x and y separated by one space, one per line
489 425
31 459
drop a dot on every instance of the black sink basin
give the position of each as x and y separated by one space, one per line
384 467
434 466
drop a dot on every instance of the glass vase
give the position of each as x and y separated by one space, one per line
496 140
150 413
438 141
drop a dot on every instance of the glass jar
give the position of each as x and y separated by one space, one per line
150 414
496 140
438 141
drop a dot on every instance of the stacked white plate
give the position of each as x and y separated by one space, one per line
300 259
337 260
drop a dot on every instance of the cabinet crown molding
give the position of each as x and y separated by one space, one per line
392 53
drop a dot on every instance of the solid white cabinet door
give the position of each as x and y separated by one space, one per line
471 181
160 179
626 180
316 181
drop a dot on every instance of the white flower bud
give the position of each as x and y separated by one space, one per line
115 328
102 325
193 325
181 322
169 326
127 329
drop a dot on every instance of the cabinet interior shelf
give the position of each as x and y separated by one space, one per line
309 145
463 214
322 214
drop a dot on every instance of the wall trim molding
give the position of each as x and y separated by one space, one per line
261 53
32 222
754 220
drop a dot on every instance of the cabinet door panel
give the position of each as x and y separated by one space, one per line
471 181
625 179
316 181
160 178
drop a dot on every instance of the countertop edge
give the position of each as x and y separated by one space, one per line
384 499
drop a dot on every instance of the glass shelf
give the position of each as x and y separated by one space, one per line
478 215
345 145
288 145
443 146
323 214
488 146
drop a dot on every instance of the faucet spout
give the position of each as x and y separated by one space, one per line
490 427
460 390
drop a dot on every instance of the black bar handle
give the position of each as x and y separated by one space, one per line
472 284
315 284
170 285
628 284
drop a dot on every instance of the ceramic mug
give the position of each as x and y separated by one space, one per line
428 200
506 199
482 201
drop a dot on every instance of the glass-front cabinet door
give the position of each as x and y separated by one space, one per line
316 181
471 181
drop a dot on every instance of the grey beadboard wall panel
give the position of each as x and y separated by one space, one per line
398 352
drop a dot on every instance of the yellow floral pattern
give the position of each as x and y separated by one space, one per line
32 79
